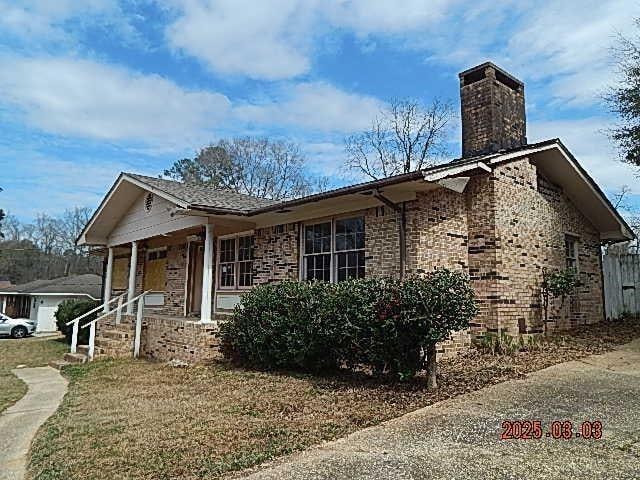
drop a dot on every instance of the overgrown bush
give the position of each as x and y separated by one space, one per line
73 308
383 324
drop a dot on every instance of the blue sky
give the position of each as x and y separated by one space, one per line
91 88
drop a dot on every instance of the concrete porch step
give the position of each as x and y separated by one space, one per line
75 357
59 364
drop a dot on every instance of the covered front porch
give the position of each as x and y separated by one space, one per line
195 274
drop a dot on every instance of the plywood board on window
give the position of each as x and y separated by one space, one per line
120 275
155 275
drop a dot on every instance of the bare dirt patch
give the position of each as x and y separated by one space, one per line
143 420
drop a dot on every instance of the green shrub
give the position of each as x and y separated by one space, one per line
386 325
73 308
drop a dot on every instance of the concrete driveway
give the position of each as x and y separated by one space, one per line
460 438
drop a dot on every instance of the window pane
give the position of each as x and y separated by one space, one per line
227 275
245 274
350 233
228 250
245 248
317 238
318 267
350 265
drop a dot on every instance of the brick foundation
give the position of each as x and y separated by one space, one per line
162 339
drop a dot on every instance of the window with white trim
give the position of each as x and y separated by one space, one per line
235 262
571 252
334 250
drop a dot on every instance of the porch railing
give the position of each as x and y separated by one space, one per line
118 310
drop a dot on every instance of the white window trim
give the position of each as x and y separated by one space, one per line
236 273
152 250
333 264
576 246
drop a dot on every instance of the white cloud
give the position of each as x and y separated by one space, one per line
87 99
587 140
82 98
268 40
45 22
275 40
314 106
366 17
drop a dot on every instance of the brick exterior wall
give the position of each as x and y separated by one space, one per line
504 230
531 226
381 242
276 253
162 339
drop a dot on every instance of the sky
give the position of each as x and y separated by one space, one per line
90 88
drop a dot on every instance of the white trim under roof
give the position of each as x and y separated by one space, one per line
49 294
82 238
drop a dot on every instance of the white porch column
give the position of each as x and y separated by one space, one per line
132 275
4 304
207 275
107 280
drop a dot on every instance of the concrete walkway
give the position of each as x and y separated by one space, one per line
19 423
460 438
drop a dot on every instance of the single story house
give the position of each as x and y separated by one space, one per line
503 213
39 300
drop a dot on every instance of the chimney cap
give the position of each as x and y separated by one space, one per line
483 66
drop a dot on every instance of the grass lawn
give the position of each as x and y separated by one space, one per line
32 352
125 419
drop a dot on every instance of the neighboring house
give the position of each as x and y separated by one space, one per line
39 300
503 213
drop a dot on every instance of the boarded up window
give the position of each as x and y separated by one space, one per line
155 269
120 276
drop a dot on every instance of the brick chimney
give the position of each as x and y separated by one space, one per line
493 116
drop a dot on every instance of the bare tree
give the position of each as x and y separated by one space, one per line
12 228
261 167
405 137
70 226
626 209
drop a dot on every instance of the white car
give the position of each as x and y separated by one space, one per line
16 327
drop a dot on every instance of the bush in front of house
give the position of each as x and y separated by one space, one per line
73 308
386 325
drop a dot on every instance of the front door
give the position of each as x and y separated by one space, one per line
194 281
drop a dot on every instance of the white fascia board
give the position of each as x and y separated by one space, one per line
82 238
454 170
155 191
521 153
37 294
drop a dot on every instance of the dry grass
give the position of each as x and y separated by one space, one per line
32 352
137 419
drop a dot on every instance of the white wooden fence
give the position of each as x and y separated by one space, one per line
621 284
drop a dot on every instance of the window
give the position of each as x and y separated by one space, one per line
334 250
156 254
317 249
235 262
245 261
571 252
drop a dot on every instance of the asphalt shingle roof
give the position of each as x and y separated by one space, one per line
196 194
87 284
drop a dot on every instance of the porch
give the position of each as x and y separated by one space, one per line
189 275
162 337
